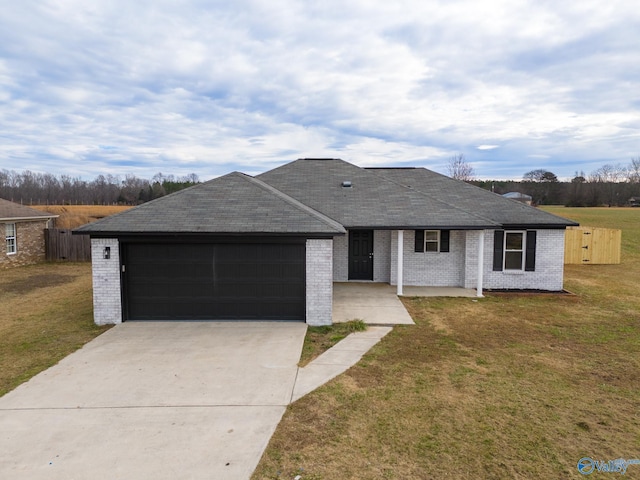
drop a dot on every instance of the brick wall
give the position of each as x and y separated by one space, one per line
107 306
341 258
29 241
319 282
459 266
472 237
432 269
549 264
381 257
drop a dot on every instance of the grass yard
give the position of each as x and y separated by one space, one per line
501 387
46 313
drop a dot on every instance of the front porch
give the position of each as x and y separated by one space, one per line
378 303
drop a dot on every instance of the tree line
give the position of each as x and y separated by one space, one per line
31 188
610 185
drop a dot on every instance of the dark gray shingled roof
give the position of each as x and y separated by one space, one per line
373 201
15 211
232 204
468 197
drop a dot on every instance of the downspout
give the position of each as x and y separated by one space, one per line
480 264
400 260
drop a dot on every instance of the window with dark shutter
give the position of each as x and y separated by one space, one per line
433 241
419 241
514 245
498 250
444 240
530 256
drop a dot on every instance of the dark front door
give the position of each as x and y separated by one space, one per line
360 254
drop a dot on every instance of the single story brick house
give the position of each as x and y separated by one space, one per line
23 230
271 246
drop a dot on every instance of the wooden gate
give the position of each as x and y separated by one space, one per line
592 246
62 245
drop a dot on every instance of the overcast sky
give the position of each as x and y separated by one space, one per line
92 87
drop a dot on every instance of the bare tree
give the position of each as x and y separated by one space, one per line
633 171
460 169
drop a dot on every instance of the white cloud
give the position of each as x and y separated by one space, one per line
214 86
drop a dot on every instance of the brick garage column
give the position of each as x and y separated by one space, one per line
319 282
107 305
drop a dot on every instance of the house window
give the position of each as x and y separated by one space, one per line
514 248
10 238
432 241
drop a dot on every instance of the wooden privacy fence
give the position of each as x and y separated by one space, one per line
62 245
592 246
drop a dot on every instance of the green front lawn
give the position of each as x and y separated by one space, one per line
501 387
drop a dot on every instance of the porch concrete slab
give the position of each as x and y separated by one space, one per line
374 303
336 360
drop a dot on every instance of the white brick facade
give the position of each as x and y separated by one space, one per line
341 258
549 265
459 266
327 261
319 259
433 269
381 257
107 306
472 237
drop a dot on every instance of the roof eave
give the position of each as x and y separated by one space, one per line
26 219
122 234
423 227
540 226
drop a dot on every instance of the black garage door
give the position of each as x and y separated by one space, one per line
214 282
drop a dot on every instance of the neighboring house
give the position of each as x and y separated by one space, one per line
23 231
519 197
271 246
634 202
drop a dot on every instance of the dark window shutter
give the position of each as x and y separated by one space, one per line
419 246
444 240
530 257
498 250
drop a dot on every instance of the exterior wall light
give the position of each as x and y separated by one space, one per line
106 253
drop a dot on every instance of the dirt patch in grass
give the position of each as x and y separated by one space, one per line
46 313
26 285
501 387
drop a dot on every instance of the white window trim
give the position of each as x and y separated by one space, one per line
523 251
8 237
431 241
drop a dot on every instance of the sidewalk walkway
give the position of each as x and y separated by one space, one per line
336 360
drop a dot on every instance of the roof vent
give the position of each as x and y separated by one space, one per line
346 184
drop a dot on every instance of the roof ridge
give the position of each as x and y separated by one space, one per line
291 201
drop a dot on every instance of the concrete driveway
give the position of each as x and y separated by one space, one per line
154 400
